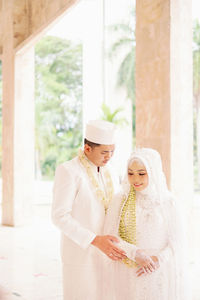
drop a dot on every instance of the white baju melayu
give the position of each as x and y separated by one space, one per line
158 232
79 214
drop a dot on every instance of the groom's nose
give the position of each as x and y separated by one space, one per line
109 155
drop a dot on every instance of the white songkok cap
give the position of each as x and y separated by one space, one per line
100 132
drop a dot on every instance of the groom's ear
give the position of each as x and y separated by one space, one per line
87 148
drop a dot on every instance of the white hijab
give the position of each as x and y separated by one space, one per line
156 190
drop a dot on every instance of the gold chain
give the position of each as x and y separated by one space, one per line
99 192
127 225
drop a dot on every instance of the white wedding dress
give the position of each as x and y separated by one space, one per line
159 232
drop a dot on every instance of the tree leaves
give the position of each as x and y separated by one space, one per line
58 94
125 43
113 116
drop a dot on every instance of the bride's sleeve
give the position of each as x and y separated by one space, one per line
112 223
130 249
176 241
165 254
177 249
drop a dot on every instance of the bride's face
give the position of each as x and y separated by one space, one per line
137 176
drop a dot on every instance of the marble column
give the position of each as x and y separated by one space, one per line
18 126
164 117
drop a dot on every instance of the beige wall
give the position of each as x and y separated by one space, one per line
30 17
164 87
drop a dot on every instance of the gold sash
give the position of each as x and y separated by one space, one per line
104 198
127 224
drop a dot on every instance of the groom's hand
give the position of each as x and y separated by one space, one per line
106 243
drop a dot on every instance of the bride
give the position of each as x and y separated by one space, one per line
145 218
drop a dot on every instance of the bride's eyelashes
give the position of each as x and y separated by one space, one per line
141 174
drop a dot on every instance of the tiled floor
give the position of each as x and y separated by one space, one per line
29 259
30 267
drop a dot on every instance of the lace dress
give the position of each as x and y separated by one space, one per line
158 231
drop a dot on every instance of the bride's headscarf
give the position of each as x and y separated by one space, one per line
150 158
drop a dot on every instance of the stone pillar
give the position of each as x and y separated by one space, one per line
164 87
18 126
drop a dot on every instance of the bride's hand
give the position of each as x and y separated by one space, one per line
145 261
144 270
156 261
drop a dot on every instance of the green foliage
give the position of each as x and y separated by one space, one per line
113 116
125 40
58 94
125 43
126 69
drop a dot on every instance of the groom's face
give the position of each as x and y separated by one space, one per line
99 155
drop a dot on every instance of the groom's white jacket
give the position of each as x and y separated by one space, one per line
80 216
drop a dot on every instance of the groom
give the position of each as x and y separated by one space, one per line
83 189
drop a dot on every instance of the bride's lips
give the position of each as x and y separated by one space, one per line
137 185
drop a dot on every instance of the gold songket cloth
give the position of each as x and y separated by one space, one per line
127 224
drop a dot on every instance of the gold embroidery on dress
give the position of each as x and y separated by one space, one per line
127 224
105 199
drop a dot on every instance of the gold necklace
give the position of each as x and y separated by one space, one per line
127 224
99 192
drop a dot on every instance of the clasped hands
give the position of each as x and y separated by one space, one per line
107 244
147 264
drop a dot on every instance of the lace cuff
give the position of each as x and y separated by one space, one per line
130 249
165 254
